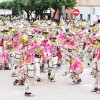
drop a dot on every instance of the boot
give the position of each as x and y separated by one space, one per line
13 74
79 80
52 80
1 67
94 90
15 82
74 82
39 79
49 76
7 68
29 94
21 82
98 92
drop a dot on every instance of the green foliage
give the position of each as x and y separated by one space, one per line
28 5
69 3
15 5
57 4
39 6
2 5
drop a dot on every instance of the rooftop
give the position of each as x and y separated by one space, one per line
88 2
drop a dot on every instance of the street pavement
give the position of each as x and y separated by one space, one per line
46 90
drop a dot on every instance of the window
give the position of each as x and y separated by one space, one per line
81 16
89 17
97 17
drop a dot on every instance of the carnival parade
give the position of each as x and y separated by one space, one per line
30 49
49 49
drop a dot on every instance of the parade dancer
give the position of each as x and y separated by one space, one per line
96 72
75 69
88 51
43 46
68 48
8 46
68 61
59 57
16 57
53 61
45 55
37 61
29 67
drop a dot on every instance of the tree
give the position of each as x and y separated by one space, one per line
57 5
18 6
3 5
69 3
28 7
15 5
41 6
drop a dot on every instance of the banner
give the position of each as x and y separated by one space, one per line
5 12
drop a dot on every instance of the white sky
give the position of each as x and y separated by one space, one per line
2 0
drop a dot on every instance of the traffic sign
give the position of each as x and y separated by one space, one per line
76 12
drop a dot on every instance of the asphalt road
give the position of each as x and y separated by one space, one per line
46 90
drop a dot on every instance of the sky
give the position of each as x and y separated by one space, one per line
2 0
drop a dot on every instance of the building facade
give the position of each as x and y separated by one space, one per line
89 9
